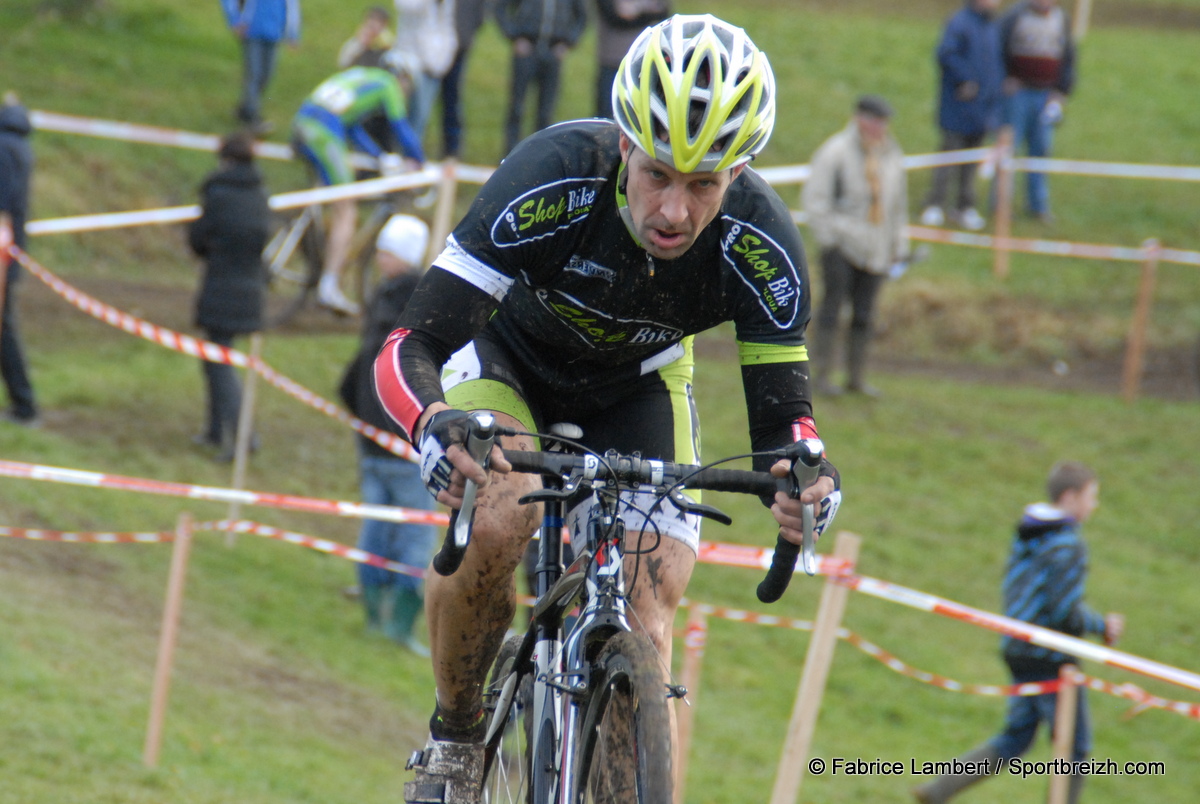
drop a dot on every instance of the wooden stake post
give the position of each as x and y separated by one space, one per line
166 640
1004 200
1064 729
442 214
694 640
245 430
812 683
1135 347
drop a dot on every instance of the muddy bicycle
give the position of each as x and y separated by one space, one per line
577 706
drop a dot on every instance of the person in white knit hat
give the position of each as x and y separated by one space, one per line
392 601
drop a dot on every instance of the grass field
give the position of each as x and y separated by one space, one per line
279 697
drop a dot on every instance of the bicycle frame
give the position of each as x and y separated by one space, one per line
560 660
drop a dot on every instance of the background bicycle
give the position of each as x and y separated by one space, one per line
295 254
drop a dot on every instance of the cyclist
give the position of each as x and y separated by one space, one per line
329 122
571 292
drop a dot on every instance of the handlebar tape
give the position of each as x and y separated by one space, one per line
783 564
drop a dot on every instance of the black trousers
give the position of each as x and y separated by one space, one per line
953 141
844 282
12 356
542 68
224 393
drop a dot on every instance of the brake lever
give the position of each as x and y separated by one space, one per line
805 470
690 506
481 435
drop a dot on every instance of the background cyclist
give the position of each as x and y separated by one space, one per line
570 292
331 122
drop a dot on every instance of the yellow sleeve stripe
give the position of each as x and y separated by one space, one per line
750 354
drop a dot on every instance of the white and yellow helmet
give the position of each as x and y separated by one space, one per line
694 91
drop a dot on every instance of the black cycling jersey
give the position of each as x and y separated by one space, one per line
545 260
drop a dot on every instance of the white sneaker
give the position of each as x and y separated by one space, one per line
971 220
933 216
335 300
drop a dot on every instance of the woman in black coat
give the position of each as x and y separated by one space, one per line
230 235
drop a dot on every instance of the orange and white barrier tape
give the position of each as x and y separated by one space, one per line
1056 248
696 637
206 350
227 525
1017 629
289 502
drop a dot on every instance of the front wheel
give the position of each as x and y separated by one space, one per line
625 733
507 699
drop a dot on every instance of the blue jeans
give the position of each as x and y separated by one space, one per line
394 481
425 92
1023 111
258 63
1025 712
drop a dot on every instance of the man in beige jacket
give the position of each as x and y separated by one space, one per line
857 205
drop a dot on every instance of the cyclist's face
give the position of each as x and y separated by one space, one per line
669 208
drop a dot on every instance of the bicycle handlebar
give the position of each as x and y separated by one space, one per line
631 469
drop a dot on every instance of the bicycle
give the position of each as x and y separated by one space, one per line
295 256
586 704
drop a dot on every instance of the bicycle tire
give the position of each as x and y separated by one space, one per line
506 765
625 733
293 259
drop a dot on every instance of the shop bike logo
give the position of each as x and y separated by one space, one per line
767 269
600 329
544 211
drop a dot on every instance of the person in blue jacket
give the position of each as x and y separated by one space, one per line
972 73
260 25
1043 585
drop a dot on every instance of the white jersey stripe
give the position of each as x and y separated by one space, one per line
454 259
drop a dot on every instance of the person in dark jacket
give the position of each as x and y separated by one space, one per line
972 72
230 235
469 16
618 23
1043 585
16 167
392 601
541 32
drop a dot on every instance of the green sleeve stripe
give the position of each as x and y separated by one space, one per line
751 354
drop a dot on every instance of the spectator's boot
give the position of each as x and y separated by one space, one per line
860 342
944 788
406 604
372 598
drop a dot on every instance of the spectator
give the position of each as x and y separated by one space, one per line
392 601
857 205
541 32
468 18
372 39
1039 63
425 35
260 25
16 167
229 235
1043 585
329 120
968 105
618 23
